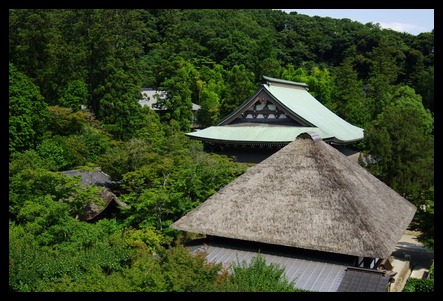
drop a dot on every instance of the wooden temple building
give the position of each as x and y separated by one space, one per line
305 206
272 117
325 219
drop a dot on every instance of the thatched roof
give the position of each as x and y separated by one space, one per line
307 195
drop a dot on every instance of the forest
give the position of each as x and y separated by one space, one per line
75 81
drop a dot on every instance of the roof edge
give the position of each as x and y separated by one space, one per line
311 134
268 80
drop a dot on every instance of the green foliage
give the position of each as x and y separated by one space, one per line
146 240
257 276
145 274
424 219
54 151
402 142
151 129
185 272
36 47
383 74
72 139
179 96
211 92
173 182
199 179
65 121
152 208
37 190
96 141
40 214
154 174
23 260
64 152
118 108
240 86
265 57
28 112
431 270
124 157
33 184
75 95
29 159
87 252
350 103
209 114
414 285
100 58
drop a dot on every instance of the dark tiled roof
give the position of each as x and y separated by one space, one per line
364 280
97 178
309 270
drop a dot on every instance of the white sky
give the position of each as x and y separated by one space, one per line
413 21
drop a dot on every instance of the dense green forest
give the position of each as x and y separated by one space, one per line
75 77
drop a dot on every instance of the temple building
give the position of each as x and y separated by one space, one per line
271 118
326 220
304 206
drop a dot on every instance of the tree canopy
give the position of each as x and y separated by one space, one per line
75 81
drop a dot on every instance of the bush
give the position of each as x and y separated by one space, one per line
257 276
419 285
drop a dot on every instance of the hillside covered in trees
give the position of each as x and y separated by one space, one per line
75 79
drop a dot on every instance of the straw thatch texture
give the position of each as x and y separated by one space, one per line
307 195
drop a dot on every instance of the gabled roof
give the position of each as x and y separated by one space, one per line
307 195
305 106
294 109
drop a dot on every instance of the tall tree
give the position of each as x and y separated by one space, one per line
179 97
265 57
114 41
350 102
383 75
240 83
28 112
75 95
401 141
33 42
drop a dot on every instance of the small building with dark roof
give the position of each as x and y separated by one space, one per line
92 211
151 97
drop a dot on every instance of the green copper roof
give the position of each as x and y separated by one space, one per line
248 134
302 113
267 79
304 105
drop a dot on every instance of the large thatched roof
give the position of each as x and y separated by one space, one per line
307 195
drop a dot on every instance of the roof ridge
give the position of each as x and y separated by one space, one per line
267 80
